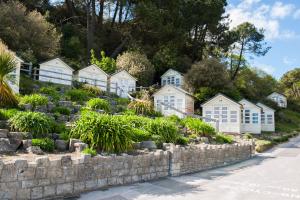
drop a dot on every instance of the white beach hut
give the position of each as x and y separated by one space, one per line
251 117
15 75
122 83
172 77
278 98
267 118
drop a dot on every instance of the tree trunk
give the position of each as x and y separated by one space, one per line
239 61
101 13
115 14
88 29
121 11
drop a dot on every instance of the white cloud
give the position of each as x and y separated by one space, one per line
259 14
288 61
280 10
297 14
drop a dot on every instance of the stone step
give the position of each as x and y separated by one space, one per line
3 133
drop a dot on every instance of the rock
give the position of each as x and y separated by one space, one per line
42 108
3 133
60 145
26 143
80 146
148 145
27 107
71 144
65 103
55 136
77 108
5 146
4 124
50 106
15 139
35 150
204 140
137 145
63 118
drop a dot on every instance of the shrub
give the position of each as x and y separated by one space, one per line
98 104
197 126
164 128
224 139
103 132
262 145
92 89
78 95
90 151
51 92
142 107
45 144
39 124
136 121
122 101
140 135
34 99
6 114
62 110
59 128
248 136
182 140
174 118
280 139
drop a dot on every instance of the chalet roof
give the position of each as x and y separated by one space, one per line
117 72
250 103
176 88
60 60
98 68
220 94
263 105
172 70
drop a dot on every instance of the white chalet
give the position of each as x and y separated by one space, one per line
172 77
278 98
122 83
176 101
226 111
251 117
56 71
92 75
267 118
15 75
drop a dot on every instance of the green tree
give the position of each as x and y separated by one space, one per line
138 65
7 65
290 84
249 40
207 73
106 63
27 32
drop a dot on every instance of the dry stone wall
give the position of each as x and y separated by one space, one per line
69 176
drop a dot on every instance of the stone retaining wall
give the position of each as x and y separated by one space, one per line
69 176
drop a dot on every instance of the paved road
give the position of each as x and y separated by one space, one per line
274 175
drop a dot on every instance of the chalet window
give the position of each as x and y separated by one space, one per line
166 102
172 101
233 116
169 80
179 104
177 82
247 116
270 119
224 114
164 82
173 80
216 112
208 114
255 118
242 116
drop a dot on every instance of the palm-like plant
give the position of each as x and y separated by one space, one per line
7 65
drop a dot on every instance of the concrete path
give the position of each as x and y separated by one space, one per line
274 175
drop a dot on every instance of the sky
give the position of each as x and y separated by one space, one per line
281 21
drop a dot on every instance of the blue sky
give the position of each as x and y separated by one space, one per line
281 21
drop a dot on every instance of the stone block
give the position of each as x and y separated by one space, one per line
79 186
23 194
26 143
34 150
61 145
91 184
42 161
3 133
49 190
80 146
66 160
64 189
71 144
5 146
148 145
41 172
102 182
36 193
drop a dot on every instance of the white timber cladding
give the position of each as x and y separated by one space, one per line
14 77
280 99
122 83
175 98
251 117
92 75
56 71
267 118
172 77
226 111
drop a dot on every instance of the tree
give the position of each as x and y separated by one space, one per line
207 73
106 63
249 40
27 31
290 83
137 65
7 65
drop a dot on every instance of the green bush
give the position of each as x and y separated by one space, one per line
45 144
262 145
59 128
164 128
174 118
248 136
38 124
224 139
62 110
51 92
136 121
122 101
103 132
90 151
197 126
78 95
280 139
143 107
182 140
140 135
98 104
6 114
34 99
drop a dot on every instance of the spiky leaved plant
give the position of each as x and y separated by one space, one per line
7 65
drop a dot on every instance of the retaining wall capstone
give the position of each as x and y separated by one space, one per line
69 176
